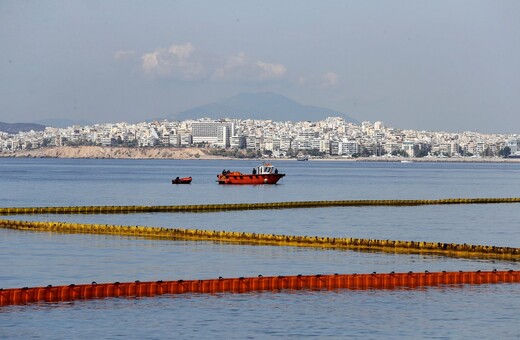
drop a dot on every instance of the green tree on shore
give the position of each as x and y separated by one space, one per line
505 152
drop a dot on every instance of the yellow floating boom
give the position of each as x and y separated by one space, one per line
391 246
246 206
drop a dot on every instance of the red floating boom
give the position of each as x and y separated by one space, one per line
240 285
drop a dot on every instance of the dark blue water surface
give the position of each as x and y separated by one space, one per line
38 259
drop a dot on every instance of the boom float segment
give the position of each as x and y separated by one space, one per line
407 247
241 285
246 206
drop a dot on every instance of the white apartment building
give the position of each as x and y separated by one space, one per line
213 133
253 143
238 142
408 147
514 145
349 147
390 147
324 145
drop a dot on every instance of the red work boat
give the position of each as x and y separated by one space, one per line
183 180
264 174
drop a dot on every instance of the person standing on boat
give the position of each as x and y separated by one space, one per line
254 171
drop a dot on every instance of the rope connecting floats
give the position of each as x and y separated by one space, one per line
445 249
241 285
246 206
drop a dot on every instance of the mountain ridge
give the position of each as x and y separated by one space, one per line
14 128
63 122
260 105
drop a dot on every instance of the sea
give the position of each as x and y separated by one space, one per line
30 259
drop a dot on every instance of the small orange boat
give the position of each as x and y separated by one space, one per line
263 174
183 180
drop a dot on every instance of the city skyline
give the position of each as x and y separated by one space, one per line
432 65
333 136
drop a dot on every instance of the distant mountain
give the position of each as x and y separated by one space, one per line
63 123
14 128
264 105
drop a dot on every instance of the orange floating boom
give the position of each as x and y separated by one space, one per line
72 292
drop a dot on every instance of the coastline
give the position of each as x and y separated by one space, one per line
99 152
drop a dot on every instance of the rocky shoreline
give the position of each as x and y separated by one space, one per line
111 153
99 152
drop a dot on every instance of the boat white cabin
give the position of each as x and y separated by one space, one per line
265 169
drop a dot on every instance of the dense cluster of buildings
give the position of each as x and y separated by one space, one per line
330 137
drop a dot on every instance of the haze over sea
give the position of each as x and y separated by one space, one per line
39 259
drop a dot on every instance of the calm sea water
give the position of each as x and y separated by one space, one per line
36 259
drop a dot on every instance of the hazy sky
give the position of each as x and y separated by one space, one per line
433 65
